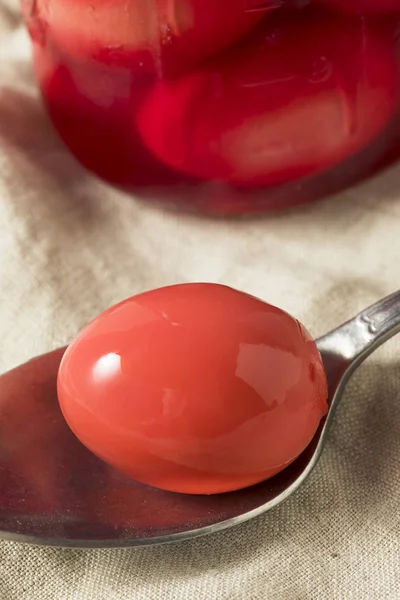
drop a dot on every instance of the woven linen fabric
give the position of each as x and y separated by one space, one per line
71 246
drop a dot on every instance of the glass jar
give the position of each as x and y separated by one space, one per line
226 106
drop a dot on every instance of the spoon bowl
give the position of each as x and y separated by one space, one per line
55 492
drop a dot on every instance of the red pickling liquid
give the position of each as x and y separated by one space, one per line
194 388
224 106
28 477
377 7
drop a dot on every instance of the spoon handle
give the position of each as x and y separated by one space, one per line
359 337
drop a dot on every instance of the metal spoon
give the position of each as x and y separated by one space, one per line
55 492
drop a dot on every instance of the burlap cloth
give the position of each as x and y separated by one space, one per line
70 246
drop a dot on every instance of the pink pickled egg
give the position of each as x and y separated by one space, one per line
298 97
194 388
167 35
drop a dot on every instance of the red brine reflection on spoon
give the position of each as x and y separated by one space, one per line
195 388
